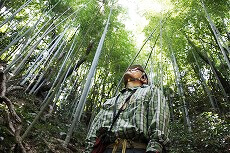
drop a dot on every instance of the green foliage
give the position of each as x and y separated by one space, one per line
180 139
210 134
185 30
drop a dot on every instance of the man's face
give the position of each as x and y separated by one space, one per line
133 73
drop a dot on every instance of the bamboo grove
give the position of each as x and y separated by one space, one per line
48 46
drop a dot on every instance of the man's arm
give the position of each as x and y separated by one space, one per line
158 118
91 136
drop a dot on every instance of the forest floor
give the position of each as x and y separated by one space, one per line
48 134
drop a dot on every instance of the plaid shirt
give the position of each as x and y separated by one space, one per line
145 119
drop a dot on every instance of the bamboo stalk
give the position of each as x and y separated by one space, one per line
206 88
214 29
180 91
81 104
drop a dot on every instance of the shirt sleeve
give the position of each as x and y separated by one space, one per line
158 117
92 133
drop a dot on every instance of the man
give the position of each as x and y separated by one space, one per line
142 125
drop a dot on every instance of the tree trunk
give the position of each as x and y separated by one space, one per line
206 88
224 85
216 34
181 91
